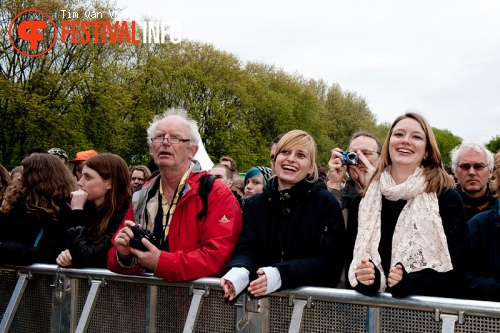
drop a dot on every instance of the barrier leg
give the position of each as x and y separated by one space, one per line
194 308
15 299
88 308
298 311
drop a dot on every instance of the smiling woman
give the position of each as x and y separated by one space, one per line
410 223
292 232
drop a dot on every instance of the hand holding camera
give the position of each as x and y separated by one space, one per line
336 170
139 234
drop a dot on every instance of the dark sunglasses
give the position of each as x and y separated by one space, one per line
467 166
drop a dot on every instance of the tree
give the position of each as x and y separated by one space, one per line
49 100
494 144
446 142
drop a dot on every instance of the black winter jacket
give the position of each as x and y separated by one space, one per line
299 231
84 252
25 242
483 267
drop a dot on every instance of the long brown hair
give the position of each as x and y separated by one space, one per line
43 191
4 180
436 176
113 167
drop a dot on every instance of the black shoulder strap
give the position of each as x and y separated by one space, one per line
206 183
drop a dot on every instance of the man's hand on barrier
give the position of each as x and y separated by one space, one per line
258 286
147 259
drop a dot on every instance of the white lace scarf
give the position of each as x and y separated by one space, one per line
419 241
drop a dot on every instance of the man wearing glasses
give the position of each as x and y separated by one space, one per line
189 245
367 147
472 164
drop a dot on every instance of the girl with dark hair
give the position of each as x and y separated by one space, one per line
34 214
98 209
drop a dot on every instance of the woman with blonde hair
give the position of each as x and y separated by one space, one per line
292 231
98 208
410 223
34 215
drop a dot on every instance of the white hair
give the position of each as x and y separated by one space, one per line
194 135
474 145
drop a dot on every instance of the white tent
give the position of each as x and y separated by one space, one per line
202 157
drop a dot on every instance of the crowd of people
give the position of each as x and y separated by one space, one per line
383 217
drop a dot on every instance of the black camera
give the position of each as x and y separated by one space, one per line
139 234
349 158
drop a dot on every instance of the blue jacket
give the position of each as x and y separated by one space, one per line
483 267
299 231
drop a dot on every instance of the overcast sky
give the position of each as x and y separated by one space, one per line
439 58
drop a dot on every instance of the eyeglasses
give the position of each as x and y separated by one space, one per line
467 166
172 141
368 152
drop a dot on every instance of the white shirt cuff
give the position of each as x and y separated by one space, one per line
273 279
239 277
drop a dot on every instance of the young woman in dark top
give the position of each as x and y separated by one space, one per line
98 208
292 232
410 226
34 214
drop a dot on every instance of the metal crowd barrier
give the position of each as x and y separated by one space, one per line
45 298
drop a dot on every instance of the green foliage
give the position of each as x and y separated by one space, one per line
103 96
494 144
446 142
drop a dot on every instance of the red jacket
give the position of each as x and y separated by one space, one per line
196 248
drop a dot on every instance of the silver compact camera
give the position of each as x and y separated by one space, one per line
349 158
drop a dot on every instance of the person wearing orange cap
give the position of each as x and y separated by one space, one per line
80 158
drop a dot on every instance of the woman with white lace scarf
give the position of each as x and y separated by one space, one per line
410 223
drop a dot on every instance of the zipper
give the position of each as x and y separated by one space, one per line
323 236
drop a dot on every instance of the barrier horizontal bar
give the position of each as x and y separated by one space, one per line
420 303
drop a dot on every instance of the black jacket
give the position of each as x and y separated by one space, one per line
18 239
474 206
483 267
84 252
426 282
299 231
